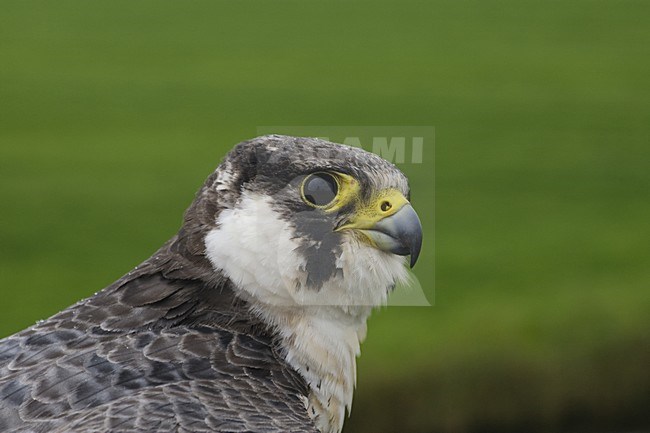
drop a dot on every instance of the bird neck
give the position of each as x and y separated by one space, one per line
322 343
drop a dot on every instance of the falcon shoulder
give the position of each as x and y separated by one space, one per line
146 355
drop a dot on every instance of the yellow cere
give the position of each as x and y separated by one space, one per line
381 205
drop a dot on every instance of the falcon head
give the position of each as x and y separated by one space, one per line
302 221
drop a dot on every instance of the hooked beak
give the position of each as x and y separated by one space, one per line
400 233
397 230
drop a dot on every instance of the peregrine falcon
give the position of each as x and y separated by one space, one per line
249 319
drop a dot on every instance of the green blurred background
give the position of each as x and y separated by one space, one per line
113 113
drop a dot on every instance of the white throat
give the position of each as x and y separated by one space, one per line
324 352
321 329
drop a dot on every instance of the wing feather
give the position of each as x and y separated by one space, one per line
151 354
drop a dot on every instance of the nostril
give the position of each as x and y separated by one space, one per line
385 206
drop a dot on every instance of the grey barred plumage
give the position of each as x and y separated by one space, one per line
195 339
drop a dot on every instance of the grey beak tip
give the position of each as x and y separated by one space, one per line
415 246
412 236
414 259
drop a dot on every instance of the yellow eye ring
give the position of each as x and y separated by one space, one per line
320 189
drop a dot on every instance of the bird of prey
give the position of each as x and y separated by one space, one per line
249 319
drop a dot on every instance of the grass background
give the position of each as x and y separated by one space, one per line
113 113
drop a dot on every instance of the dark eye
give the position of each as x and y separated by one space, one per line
320 189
